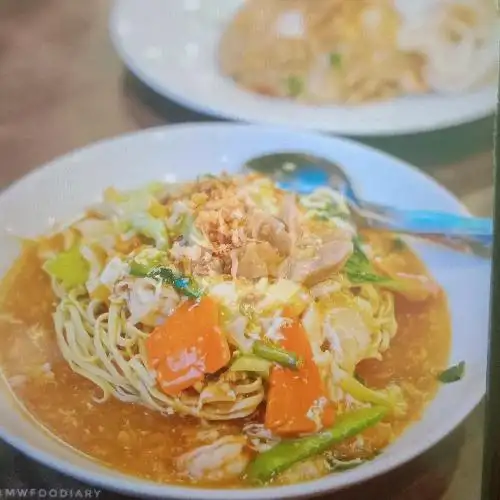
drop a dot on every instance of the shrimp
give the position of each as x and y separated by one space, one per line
224 459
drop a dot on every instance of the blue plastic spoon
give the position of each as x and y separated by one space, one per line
304 173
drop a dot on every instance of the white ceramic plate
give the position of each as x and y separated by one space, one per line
172 46
65 187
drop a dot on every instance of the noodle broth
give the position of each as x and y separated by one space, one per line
143 443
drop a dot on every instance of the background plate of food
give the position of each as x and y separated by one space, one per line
356 68
161 311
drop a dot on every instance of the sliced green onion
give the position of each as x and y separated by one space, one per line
139 270
277 355
398 245
359 269
186 286
295 86
453 374
335 59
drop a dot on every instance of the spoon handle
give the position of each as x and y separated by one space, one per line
430 222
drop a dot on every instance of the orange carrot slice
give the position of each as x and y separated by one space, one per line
296 397
188 345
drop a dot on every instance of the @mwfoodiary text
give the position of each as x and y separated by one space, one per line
15 493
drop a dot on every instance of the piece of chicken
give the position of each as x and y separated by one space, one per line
267 228
257 260
290 215
329 258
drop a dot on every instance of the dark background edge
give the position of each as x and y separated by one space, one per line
491 455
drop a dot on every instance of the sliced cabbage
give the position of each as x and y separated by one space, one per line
182 223
176 220
325 288
135 199
150 227
263 193
156 209
272 327
190 233
69 267
226 293
236 331
280 293
390 397
191 252
143 300
114 270
312 321
122 204
249 363
96 263
325 203
137 211
101 232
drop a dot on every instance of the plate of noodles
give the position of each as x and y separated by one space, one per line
172 325
363 67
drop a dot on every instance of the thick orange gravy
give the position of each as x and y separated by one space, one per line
142 443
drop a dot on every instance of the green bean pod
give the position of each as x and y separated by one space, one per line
287 453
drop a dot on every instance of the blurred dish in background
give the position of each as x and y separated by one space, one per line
333 51
371 68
